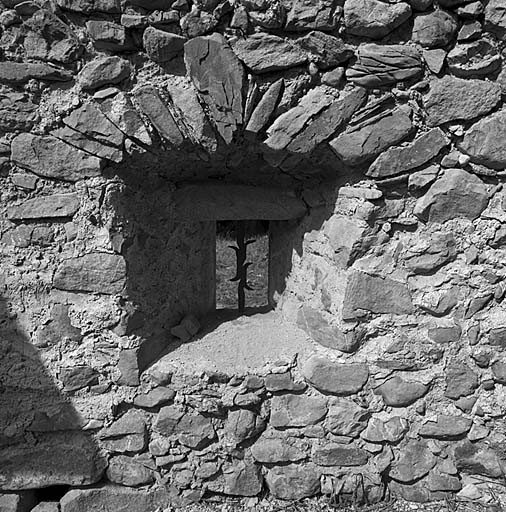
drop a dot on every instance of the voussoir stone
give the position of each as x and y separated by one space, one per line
483 142
379 65
263 53
435 29
456 193
103 71
50 157
335 378
365 293
451 99
293 482
263 112
94 272
297 410
55 205
162 46
218 75
406 158
356 147
374 19
446 427
397 392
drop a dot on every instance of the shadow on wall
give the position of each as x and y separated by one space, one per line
42 441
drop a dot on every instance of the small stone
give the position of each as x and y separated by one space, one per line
155 397
265 107
495 20
397 392
444 331
435 59
109 36
499 371
469 31
78 377
276 382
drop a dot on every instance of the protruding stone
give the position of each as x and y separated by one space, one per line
265 108
307 15
456 193
45 207
103 71
495 18
162 46
297 410
242 424
97 272
446 427
374 19
325 50
155 397
336 378
127 434
436 29
379 65
109 36
19 73
397 392
452 99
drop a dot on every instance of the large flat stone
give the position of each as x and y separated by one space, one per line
446 427
240 202
452 99
97 272
365 293
456 194
297 410
19 73
218 75
53 206
103 71
50 157
334 454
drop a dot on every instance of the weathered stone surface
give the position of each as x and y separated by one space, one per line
375 294
312 15
263 53
103 71
455 194
276 382
128 471
460 381
51 158
406 158
293 482
264 110
325 50
292 122
436 29
89 6
155 397
271 449
97 272
242 479
219 77
374 19
414 461
242 424
117 498
333 454
346 418
367 142
17 113
390 430
430 253
127 434
297 410
482 142
109 36
476 58
336 378
397 392
57 328
446 427
499 372
158 113
479 459
451 99
44 207
19 73
59 458
162 46
319 329
379 65
78 377
435 60
328 122
495 18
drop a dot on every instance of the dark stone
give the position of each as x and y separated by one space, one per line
325 50
45 207
446 427
335 455
379 65
97 272
451 99
162 46
376 295
456 193
242 479
19 73
297 410
263 53
51 158
242 424
336 378
78 377
402 159
219 77
397 392
109 36
360 146
103 71
374 19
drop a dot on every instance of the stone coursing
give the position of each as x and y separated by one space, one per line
382 122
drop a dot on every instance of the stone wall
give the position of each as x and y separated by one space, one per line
379 126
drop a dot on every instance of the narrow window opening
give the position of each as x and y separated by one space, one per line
242 266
